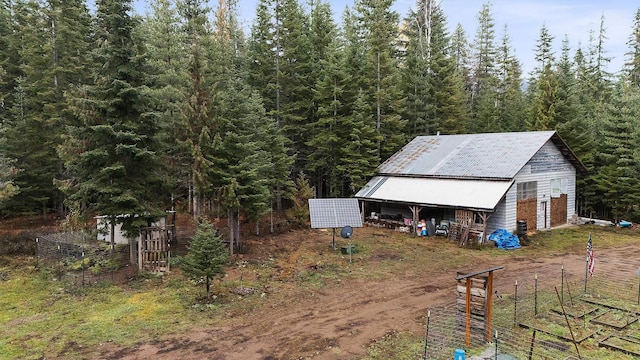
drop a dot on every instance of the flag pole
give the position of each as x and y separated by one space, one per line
586 273
588 258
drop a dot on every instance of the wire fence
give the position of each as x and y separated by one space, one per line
79 259
568 316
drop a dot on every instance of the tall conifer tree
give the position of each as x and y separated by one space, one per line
544 85
169 81
111 153
483 81
511 100
379 26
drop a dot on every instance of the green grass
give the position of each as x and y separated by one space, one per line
40 318
397 346
45 318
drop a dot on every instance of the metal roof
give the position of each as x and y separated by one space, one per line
472 156
483 195
334 213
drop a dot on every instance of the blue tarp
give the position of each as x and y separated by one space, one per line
624 223
505 239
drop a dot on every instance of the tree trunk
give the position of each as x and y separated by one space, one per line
279 199
230 222
112 233
238 240
271 219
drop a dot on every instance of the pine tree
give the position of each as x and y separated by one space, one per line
111 153
207 256
483 81
328 132
27 131
52 60
7 168
355 61
620 173
632 63
262 44
566 107
358 156
460 52
296 107
241 162
265 76
9 58
593 91
198 136
447 111
298 214
414 76
279 173
7 187
168 82
512 104
379 25
543 85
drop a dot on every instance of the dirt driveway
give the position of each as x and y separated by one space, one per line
339 322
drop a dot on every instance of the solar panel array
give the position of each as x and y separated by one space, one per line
334 213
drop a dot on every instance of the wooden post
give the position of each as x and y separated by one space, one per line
485 217
468 310
488 305
140 247
132 251
415 211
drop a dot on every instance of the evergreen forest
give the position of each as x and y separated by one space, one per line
105 111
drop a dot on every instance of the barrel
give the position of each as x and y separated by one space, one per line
522 227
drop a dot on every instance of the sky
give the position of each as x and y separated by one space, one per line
523 18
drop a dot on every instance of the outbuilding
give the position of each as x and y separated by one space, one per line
483 181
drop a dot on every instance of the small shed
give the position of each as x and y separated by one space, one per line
484 181
104 230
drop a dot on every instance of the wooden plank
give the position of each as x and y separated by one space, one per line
474 291
468 312
459 277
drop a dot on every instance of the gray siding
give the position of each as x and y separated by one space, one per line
498 220
546 165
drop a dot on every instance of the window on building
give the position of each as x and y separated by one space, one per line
527 190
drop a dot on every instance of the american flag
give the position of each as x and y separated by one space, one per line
590 262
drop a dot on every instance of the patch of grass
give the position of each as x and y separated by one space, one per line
574 239
44 318
317 276
40 318
397 346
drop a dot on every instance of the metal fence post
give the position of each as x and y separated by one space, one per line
496 352
426 336
515 304
562 286
535 296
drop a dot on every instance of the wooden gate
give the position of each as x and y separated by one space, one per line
154 250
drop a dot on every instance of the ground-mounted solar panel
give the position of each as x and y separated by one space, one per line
334 213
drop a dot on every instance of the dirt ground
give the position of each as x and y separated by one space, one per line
339 322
